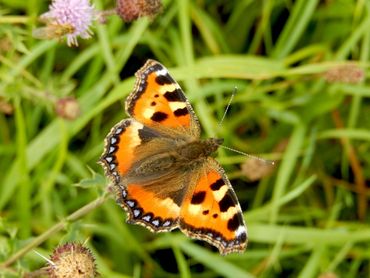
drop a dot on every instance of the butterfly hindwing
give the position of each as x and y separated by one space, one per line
212 211
155 201
159 101
147 209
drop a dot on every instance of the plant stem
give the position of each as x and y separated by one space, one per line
56 228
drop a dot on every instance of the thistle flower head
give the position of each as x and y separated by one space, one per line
78 14
72 260
130 10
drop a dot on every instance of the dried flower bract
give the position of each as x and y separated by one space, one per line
345 74
67 108
130 10
255 169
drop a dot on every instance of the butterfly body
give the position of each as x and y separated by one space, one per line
164 174
178 157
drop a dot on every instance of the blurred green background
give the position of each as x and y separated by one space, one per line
301 70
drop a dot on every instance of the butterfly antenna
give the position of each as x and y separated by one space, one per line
270 162
228 105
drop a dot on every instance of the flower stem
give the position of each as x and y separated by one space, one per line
56 228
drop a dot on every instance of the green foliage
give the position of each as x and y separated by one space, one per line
302 101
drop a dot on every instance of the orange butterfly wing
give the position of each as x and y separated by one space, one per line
145 208
159 102
120 145
123 146
212 211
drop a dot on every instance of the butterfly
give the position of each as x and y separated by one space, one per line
163 172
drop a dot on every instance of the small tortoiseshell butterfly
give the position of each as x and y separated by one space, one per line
164 175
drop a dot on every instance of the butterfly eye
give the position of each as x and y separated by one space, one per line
216 141
219 141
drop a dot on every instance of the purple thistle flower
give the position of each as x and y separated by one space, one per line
78 14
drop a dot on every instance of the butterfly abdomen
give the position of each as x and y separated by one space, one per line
154 164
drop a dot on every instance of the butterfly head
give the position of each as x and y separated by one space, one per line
212 144
216 141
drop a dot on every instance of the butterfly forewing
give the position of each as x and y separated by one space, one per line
121 147
158 101
212 212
